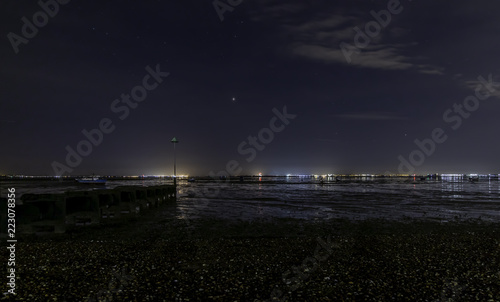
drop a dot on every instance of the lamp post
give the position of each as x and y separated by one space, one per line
175 141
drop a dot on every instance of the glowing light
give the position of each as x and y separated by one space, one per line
451 175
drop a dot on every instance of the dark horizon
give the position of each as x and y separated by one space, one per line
222 177
275 87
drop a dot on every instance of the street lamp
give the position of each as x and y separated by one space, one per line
175 141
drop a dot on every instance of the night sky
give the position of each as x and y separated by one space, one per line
213 83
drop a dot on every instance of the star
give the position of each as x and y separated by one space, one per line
234 99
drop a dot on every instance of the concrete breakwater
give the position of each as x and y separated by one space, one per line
53 213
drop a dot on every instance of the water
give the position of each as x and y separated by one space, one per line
53 186
394 199
306 198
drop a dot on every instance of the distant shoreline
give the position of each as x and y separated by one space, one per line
305 176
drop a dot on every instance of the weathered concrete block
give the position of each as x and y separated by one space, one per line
109 204
3 216
127 200
82 208
41 213
51 212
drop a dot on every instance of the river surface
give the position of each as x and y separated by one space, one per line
308 198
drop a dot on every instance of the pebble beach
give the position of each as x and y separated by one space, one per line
154 259
207 250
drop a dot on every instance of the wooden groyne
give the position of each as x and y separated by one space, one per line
53 213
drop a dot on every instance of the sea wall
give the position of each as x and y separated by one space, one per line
53 213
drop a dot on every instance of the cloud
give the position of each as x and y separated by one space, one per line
371 116
474 84
378 57
319 36
320 40
429 69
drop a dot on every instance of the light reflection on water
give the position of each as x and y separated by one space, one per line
354 199
307 198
